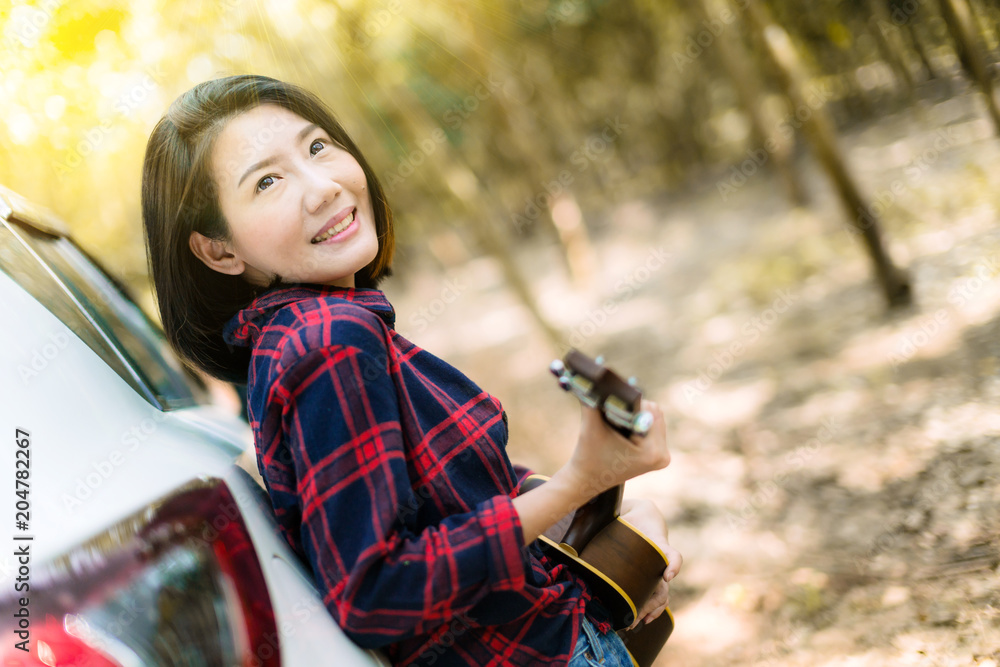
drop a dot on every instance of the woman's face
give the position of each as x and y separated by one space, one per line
296 203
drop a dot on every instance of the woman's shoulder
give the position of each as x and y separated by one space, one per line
321 323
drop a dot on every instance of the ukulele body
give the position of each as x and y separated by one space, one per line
621 568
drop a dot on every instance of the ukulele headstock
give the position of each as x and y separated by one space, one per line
597 386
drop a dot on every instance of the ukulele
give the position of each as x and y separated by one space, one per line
621 566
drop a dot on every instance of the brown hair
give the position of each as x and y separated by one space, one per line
179 196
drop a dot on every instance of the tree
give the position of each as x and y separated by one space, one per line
865 221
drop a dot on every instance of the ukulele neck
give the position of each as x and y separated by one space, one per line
592 517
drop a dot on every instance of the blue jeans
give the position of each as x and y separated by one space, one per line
596 650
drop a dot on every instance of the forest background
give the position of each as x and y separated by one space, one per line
780 217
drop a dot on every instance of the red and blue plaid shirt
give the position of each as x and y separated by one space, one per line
387 470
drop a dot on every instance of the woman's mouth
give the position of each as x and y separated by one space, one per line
336 229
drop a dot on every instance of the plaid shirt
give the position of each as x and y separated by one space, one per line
387 471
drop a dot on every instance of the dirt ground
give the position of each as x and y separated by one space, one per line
835 482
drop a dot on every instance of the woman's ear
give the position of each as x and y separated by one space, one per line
215 254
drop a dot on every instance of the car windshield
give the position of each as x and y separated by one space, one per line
162 378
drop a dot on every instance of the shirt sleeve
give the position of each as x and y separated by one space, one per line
381 582
521 473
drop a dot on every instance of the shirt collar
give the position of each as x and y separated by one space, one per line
244 327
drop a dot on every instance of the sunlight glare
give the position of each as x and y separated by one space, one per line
21 127
55 105
200 68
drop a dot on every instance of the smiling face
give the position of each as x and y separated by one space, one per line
297 204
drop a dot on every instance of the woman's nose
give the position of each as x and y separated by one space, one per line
321 187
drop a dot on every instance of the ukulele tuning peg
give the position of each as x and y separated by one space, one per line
557 367
632 380
643 422
599 360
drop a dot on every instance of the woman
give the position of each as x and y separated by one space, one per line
268 235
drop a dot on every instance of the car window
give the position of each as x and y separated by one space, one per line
111 324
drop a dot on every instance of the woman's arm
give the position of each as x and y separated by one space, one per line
556 531
381 582
546 507
603 458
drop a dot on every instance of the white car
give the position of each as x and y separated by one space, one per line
133 535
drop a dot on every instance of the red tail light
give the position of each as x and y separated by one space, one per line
179 584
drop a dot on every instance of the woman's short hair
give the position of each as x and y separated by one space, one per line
179 196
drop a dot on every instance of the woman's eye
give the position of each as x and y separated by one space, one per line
261 186
261 181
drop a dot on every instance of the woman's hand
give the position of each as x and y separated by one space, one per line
644 515
603 458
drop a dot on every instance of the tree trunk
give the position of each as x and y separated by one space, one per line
987 28
893 281
890 44
737 63
574 240
918 46
958 17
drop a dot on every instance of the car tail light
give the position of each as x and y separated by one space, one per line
178 584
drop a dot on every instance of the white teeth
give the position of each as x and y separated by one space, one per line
336 229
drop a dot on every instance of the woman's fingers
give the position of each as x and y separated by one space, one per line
608 458
655 605
675 561
645 516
